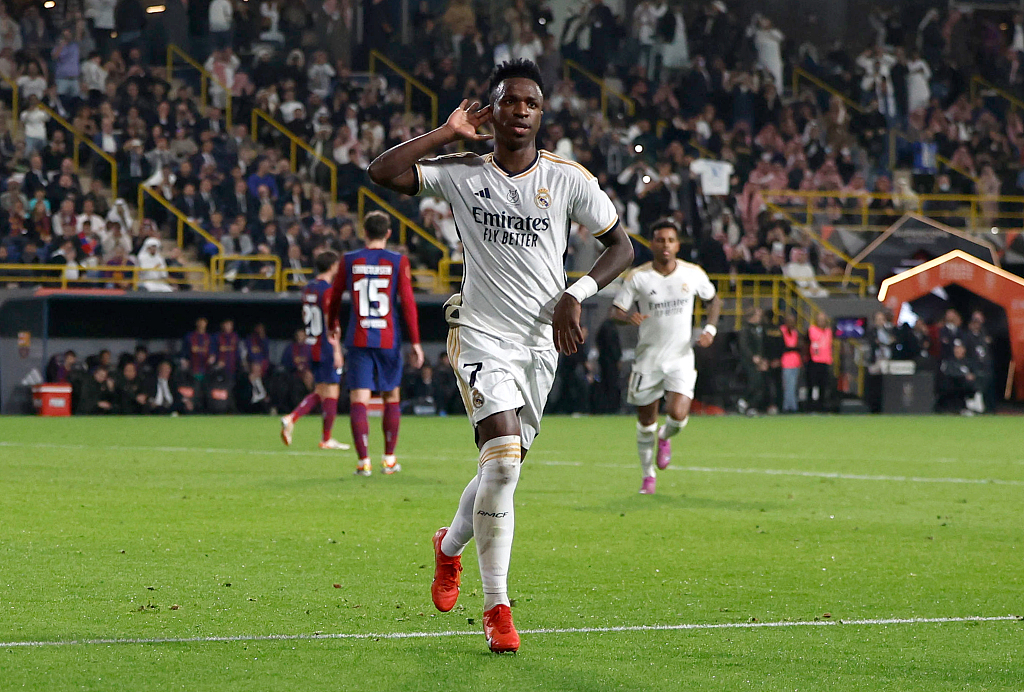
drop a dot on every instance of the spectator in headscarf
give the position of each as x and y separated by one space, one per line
153 276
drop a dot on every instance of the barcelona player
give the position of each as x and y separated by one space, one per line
327 359
377 280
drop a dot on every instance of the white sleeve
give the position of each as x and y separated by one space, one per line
627 294
432 179
705 289
591 207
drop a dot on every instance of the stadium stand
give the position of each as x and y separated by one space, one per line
221 145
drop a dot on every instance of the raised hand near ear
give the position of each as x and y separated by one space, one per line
464 121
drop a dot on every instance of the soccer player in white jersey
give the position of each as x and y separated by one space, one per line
512 210
664 291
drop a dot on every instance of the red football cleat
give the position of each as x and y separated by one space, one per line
500 632
444 590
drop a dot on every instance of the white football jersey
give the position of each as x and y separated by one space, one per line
665 335
514 230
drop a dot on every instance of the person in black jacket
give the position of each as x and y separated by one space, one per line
131 397
98 395
753 363
958 381
774 347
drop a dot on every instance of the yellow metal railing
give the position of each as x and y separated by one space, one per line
79 137
742 292
978 212
801 74
14 103
946 163
570 66
405 225
868 269
640 239
410 84
219 270
205 77
295 144
978 83
125 277
182 219
289 280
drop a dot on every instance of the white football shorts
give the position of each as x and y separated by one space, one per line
496 375
648 385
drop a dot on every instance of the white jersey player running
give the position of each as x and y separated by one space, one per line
664 291
512 209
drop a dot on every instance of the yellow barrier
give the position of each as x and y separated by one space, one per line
80 137
410 84
868 269
218 269
946 163
124 277
405 224
570 66
289 281
742 292
954 210
640 239
76 135
14 103
800 73
297 143
182 219
982 83
205 77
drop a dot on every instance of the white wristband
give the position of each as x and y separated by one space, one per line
711 329
584 288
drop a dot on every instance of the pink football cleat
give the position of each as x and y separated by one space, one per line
647 488
664 453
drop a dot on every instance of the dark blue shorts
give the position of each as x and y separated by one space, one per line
324 372
376 369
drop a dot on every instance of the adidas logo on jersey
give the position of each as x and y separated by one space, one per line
485 193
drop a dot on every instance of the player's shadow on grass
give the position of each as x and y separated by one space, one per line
351 482
668 500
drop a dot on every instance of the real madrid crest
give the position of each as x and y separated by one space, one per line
477 398
543 199
513 196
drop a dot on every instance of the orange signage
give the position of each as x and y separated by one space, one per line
979 277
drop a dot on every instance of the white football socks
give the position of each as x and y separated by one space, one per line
494 516
671 427
460 533
645 435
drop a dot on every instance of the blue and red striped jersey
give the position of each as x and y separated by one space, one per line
314 310
378 281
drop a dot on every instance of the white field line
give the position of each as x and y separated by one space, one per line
722 454
692 469
806 474
553 630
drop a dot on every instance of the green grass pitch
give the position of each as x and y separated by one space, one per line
208 527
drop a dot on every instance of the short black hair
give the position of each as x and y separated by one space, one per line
376 225
666 223
519 68
325 260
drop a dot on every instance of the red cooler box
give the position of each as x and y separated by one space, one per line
52 399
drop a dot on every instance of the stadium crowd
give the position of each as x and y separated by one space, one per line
223 372
715 124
